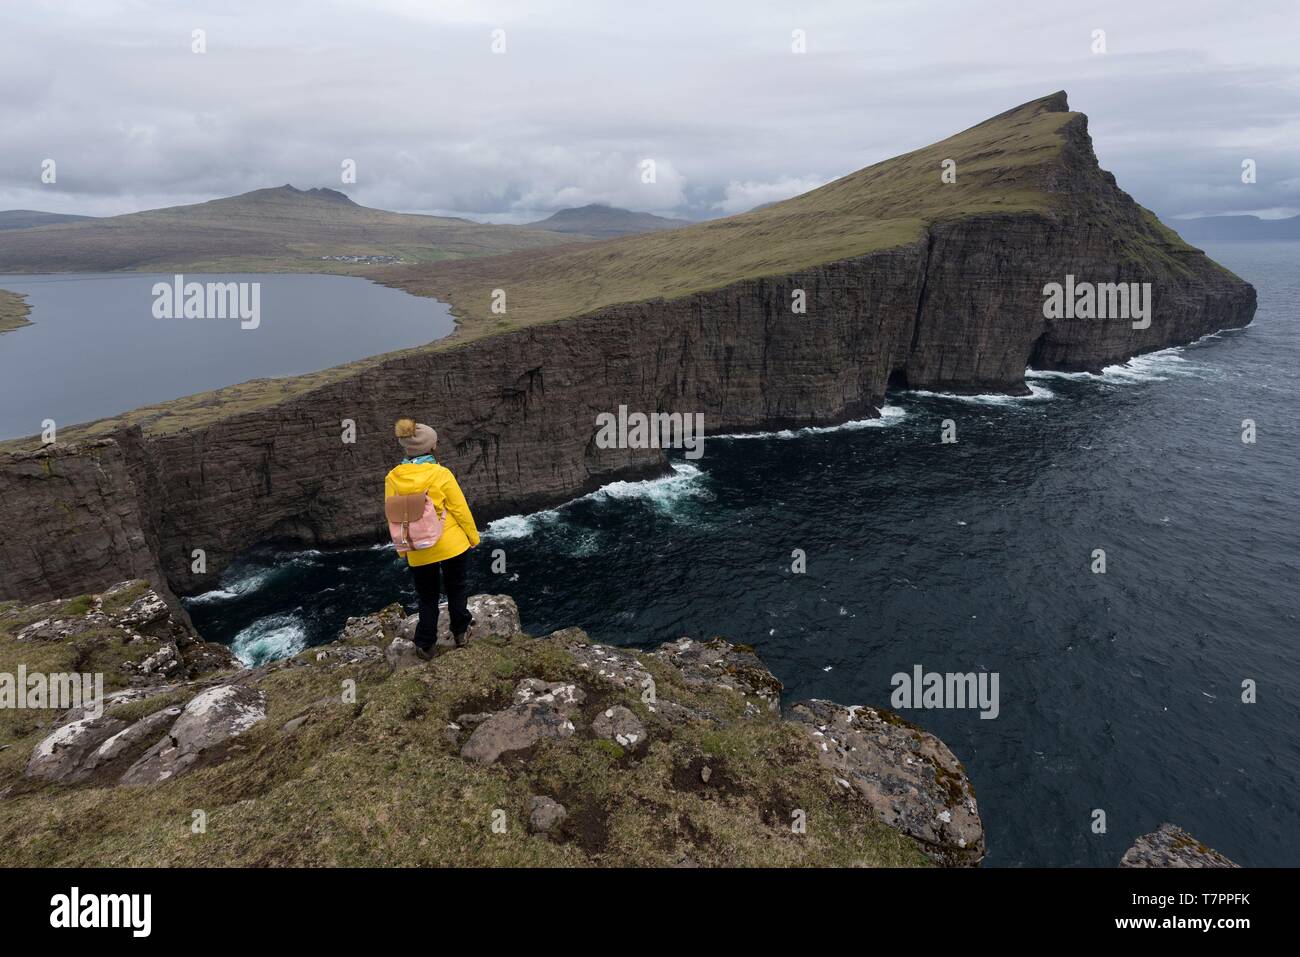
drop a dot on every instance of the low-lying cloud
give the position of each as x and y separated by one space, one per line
585 93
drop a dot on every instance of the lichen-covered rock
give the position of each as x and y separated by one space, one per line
165 661
563 695
59 629
515 729
146 609
617 666
721 664
905 774
64 754
132 738
541 710
132 613
210 720
492 615
1171 846
620 725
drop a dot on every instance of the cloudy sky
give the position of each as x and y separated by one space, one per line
436 121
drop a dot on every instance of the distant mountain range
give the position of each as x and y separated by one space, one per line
605 222
27 218
1237 227
276 229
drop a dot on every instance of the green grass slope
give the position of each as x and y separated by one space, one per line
1004 165
379 781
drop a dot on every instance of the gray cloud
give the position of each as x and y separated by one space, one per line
585 92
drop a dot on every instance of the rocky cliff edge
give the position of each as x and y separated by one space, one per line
512 751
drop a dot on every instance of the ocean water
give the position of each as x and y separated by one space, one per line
1119 692
95 349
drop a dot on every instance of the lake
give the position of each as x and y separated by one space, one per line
95 348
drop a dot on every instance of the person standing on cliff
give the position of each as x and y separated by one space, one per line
441 567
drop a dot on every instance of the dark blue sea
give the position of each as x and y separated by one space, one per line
1119 691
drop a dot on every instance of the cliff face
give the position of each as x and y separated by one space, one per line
958 309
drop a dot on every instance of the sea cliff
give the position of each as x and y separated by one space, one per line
945 301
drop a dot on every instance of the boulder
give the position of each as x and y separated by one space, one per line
134 737
1171 846
620 725
93 709
542 709
211 719
545 814
515 729
63 755
165 661
143 611
909 778
402 653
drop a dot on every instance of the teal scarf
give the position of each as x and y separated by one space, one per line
421 460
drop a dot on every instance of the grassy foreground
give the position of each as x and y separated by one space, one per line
380 781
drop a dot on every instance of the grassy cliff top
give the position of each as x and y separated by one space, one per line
1003 165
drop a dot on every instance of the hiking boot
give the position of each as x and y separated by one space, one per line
424 652
462 639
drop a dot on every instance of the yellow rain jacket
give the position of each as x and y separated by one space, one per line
459 532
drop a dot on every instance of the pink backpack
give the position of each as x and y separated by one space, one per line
413 521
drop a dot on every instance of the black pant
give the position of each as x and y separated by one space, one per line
452 574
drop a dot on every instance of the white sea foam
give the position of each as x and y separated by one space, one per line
660 491
662 494
1037 393
270 639
1153 367
247 583
514 526
889 415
